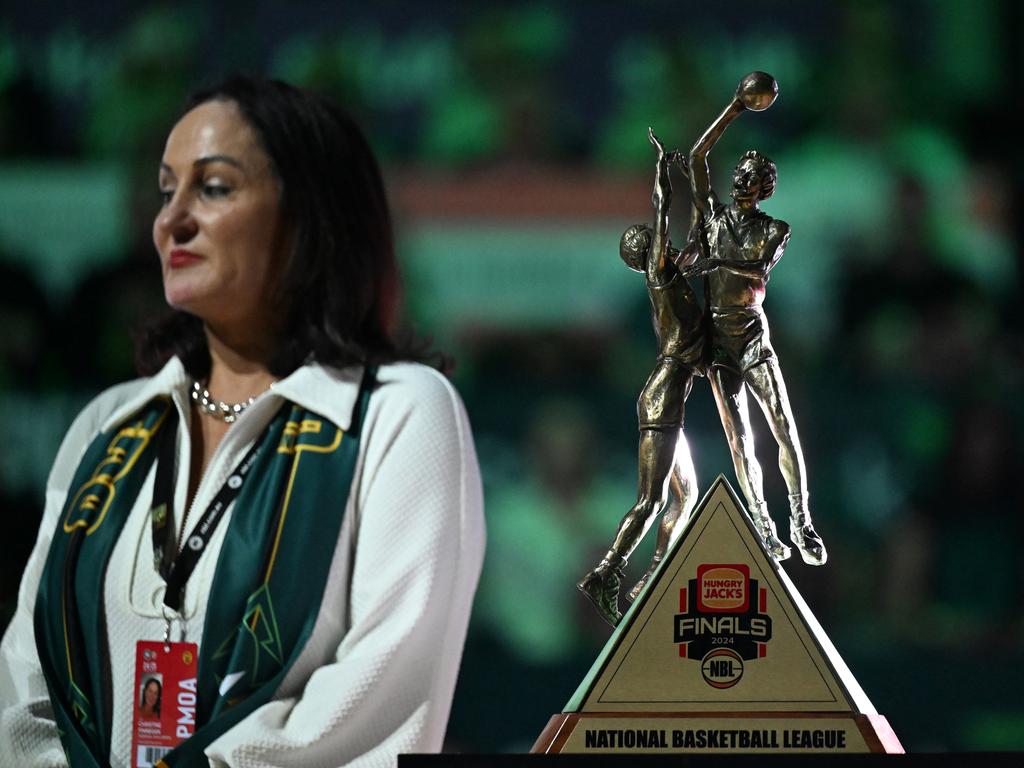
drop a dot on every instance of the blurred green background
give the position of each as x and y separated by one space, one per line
513 141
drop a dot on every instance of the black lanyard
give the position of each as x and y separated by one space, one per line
177 567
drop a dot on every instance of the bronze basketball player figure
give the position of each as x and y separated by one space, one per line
741 244
664 455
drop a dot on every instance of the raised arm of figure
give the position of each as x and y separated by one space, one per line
700 174
661 199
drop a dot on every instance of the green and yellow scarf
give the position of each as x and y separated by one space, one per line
266 592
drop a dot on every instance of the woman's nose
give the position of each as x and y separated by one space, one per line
176 219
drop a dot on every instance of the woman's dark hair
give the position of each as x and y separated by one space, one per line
339 284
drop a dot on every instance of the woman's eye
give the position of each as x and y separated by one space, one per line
215 190
166 195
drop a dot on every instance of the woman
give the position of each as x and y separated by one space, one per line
325 610
149 702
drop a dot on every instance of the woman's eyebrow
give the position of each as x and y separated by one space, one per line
206 160
218 159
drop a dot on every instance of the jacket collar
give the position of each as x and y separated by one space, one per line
330 392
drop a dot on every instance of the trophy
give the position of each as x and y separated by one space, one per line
717 651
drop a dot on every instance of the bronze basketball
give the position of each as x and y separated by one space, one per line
757 91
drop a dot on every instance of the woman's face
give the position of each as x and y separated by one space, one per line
151 694
219 231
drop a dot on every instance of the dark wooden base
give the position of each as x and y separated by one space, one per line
660 732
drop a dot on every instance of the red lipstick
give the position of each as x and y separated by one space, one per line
182 258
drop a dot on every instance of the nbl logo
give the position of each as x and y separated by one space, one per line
722 668
722 621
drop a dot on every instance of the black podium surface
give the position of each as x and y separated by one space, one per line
980 759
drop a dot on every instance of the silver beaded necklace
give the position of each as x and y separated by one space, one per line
218 409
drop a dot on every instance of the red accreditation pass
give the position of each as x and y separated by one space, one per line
164 714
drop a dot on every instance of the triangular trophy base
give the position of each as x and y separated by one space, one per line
716 732
719 652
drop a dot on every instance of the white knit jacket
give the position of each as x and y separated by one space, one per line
377 675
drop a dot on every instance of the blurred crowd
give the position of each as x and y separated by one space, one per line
894 309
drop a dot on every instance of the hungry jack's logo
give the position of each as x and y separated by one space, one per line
722 622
